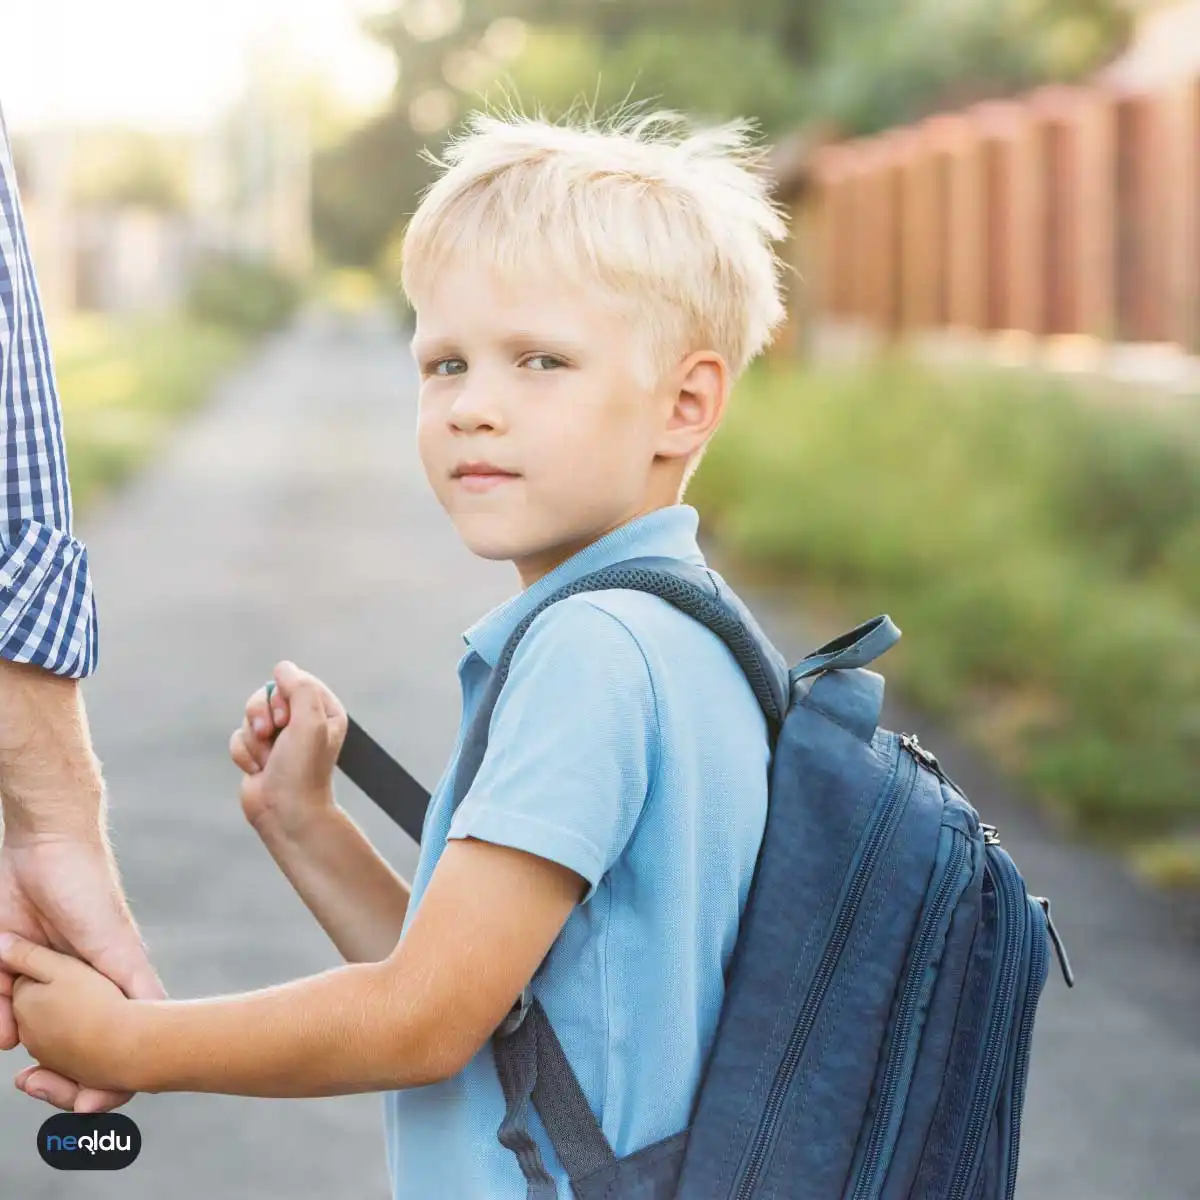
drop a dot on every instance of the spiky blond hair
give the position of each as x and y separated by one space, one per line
668 218
673 223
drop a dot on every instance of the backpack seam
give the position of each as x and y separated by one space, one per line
822 1047
816 708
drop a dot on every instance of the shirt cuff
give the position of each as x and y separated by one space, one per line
535 836
47 611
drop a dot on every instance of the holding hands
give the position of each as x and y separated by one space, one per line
64 892
80 1021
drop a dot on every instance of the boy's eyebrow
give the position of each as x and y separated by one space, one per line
428 348
514 339
526 338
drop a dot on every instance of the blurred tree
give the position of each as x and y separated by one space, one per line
126 166
885 64
865 64
366 186
454 55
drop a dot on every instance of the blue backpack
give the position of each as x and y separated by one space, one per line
875 1034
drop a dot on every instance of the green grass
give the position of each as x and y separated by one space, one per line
123 383
1041 555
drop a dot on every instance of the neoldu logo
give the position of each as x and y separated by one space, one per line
89 1141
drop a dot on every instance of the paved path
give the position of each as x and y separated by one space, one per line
291 519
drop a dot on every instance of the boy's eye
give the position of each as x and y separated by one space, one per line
453 365
544 358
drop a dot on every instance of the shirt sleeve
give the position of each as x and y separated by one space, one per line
572 745
47 608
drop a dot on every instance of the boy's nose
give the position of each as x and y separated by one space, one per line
474 411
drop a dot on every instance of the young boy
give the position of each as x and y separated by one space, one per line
584 296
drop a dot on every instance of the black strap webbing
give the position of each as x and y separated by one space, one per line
368 765
533 1067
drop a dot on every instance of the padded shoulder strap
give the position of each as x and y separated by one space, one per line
693 590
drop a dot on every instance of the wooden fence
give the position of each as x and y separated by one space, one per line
1066 211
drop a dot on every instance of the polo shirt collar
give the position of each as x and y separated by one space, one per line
669 532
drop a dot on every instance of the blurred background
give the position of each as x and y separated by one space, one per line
982 416
995 213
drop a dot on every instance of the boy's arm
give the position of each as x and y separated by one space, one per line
545 817
355 895
488 918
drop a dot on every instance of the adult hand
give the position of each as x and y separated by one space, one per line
64 892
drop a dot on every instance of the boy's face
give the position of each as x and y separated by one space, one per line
540 381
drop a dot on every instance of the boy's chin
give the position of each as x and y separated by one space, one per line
523 553
491 552
493 545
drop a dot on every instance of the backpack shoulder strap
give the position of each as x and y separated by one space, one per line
692 589
696 591
530 1061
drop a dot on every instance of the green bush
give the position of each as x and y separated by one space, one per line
1131 491
243 294
1039 552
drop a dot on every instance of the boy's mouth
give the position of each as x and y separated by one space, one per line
481 476
483 483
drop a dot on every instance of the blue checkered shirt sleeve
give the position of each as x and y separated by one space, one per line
47 609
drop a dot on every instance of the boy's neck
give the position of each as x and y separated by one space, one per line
531 571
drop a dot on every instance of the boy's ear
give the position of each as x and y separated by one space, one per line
699 389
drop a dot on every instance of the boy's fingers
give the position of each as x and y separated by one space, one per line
298 690
259 748
277 702
239 751
259 716
332 706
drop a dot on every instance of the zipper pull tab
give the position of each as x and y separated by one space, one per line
1059 949
928 759
914 747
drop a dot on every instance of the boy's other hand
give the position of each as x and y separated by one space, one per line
288 748
71 1018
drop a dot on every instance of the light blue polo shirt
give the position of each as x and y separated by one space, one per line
627 745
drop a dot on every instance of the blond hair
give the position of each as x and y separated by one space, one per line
670 218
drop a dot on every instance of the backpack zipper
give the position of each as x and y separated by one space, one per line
915 991
1037 972
1014 906
927 757
991 837
876 836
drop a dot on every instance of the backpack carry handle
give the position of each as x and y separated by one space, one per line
860 646
832 680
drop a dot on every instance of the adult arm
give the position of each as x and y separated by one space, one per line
58 880
47 609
